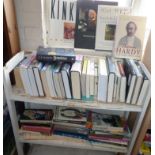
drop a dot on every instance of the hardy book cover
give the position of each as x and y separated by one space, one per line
86 19
129 37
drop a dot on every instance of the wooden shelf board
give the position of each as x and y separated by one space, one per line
19 95
73 143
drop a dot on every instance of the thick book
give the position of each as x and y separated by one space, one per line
44 80
58 81
138 83
50 80
36 69
90 80
60 19
145 85
35 116
111 78
70 114
65 72
106 25
123 82
102 80
131 79
24 73
86 19
76 79
129 37
50 55
83 78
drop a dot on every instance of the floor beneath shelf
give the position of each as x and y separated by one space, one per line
49 150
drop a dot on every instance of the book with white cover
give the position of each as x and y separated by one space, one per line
138 83
49 77
24 73
32 79
116 94
95 80
122 93
37 68
102 80
106 25
44 80
111 81
76 79
65 72
83 78
60 19
131 79
145 86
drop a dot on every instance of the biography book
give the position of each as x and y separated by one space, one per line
129 37
86 19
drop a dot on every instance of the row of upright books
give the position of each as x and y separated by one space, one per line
81 77
75 123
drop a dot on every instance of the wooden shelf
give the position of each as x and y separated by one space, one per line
74 143
19 95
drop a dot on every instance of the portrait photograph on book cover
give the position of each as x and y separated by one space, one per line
129 37
69 30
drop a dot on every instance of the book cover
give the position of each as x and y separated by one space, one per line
86 19
129 37
60 22
106 25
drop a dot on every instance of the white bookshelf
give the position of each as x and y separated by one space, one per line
14 94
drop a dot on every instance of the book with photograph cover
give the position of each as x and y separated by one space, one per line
129 37
60 18
106 25
86 19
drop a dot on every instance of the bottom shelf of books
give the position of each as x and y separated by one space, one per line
74 128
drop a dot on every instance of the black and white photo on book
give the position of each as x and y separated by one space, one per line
106 25
60 22
129 37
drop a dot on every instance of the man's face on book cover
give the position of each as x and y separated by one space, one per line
131 29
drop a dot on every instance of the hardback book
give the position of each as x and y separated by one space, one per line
70 114
24 73
102 80
58 81
36 69
129 37
49 55
90 80
138 83
35 128
107 122
116 94
60 16
86 19
50 80
32 79
131 79
83 78
65 72
111 78
145 85
122 91
35 116
95 80
18 79
106 25
76 79
44 80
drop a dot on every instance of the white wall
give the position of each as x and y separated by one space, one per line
29 20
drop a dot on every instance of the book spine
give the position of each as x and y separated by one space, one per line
50 58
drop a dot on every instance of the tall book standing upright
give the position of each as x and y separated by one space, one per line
86 19
106 25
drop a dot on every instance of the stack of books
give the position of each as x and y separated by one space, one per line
110 129
71 76
38 122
